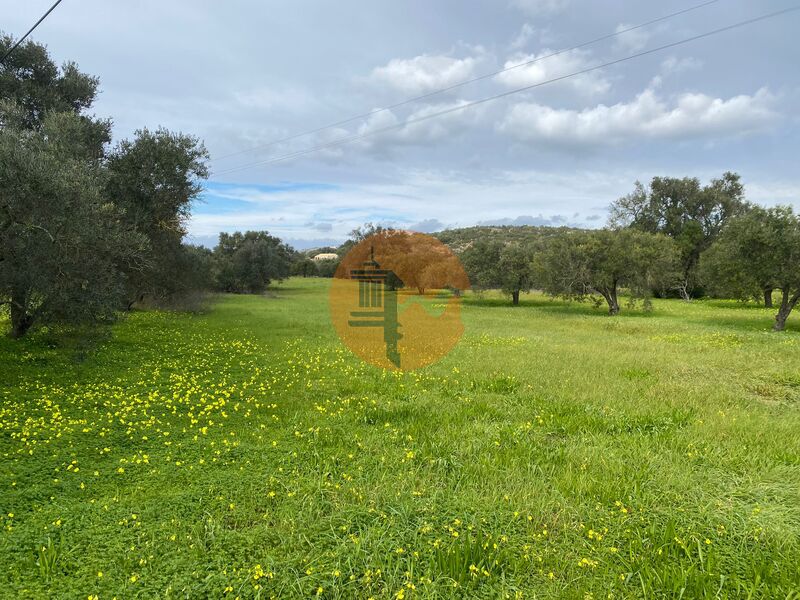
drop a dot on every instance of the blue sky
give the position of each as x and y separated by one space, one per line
241 75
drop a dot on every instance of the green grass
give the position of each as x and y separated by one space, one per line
555 453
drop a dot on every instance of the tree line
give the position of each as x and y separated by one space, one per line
671 237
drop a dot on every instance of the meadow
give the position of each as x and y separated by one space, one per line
555 453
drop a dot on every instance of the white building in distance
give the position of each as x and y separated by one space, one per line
325 256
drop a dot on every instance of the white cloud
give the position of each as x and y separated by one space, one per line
385 130
544 67
427 200
524 36
424 73
417 199
631 41
673 64
772 192
691 115
429 129
538 7
270 99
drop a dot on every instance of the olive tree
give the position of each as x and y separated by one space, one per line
504 266
249 262
760 246
155 178
515 270
578 264
691 214
32 82
63 248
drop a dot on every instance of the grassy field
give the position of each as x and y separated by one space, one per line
555 453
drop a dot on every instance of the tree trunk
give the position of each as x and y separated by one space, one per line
515 297
787 304
611 298
767 297
21 321
683 290
139 298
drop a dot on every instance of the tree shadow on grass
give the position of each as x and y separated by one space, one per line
752 324
558 306
747 316
740 316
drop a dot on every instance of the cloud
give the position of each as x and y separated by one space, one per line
630 41
322 227
524 36
647 117
774 192
427 226
673 64
547 67
424 200
289 99
424 73
386 131
539 7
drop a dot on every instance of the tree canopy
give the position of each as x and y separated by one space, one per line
507 266
580 264
682 209
756 251
84 231
155 178
248 262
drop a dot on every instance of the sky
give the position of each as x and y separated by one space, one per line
244 75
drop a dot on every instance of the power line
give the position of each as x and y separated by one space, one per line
374 132
22 39
467 81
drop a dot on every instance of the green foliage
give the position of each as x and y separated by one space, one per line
85 233
304 267
691 214
516 270
327 268
248 262
63 248
756 251
31 81
481 260
579 264
505 266
154 179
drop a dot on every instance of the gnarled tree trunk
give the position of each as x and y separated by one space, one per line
767 297
515 297
610 294
787 304
21 321
684 290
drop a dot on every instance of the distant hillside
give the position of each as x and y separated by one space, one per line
460 239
